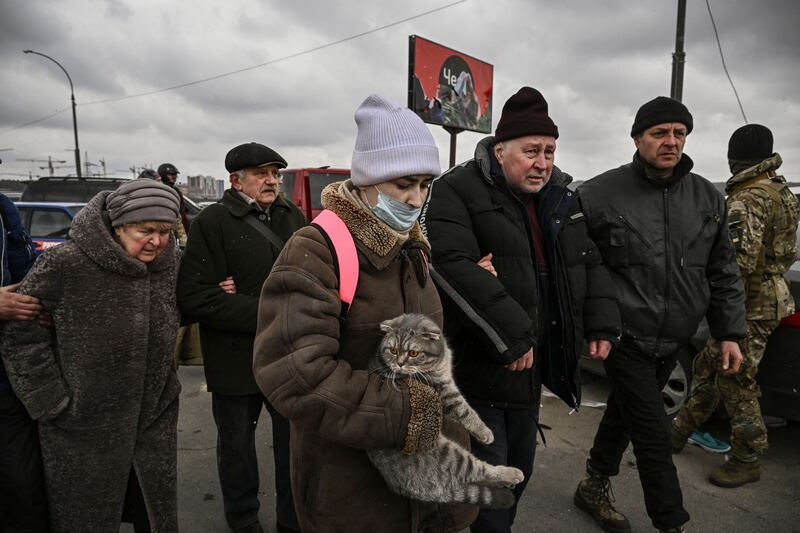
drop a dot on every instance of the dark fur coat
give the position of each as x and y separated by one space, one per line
102 382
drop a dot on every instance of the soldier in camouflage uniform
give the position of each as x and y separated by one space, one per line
762 215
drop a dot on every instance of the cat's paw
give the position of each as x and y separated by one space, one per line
483 435
509 476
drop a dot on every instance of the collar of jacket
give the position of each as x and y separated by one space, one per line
682 169
767 166
377 238
238 207
91 231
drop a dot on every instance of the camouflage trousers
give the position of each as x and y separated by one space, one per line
740 393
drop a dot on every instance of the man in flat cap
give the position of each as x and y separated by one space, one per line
762 215
663 233
522 284
230 252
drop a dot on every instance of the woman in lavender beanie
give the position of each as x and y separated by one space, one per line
311 351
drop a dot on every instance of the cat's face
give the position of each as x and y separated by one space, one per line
412 344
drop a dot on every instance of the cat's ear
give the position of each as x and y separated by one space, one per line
385 327
430 335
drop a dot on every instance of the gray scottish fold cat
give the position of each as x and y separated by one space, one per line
413 347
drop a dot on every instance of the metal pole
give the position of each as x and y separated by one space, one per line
678 58
453 132
74 117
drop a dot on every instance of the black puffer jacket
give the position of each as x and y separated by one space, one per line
492 321
666 245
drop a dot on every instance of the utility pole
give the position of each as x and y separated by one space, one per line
678 57
74 118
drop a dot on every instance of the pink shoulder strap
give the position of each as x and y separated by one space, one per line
345 251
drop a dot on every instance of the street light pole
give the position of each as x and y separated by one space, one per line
679 57
74 117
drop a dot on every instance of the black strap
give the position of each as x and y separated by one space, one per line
267 233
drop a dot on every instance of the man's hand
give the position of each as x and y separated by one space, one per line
228 285
599 349
15 306
523 363
731 357
485 262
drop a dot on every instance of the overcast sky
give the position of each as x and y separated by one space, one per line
595 62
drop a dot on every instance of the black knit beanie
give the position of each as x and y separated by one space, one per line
525 113
660 110
752 141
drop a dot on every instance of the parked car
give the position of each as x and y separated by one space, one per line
48 222
778 372
81 190
304 186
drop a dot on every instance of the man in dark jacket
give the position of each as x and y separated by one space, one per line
23 503
230 252
521 282
663 233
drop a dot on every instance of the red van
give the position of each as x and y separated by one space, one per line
304 186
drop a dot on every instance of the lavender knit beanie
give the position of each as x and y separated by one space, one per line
392 142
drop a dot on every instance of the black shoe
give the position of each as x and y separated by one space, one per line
255 527
280 528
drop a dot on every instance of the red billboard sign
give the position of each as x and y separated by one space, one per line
449 88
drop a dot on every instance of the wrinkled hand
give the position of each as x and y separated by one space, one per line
523 363
228 285
44 319
599 349
15 306
731 357
485 262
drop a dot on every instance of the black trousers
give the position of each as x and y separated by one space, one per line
635 414
514 445
23 501
236 418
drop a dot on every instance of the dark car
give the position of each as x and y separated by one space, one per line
56 189
81 190
778 372
48 222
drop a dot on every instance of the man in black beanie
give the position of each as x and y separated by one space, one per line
762 216
663 233
522 284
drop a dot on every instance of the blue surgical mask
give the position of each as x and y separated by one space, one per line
396 214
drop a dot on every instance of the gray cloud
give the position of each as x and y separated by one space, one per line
596 62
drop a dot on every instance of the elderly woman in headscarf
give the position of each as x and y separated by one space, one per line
101 381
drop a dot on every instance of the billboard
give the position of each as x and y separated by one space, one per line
448 88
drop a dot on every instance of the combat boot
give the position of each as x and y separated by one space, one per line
735 473
594 496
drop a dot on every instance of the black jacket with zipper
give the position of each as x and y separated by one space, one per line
492 321
666 244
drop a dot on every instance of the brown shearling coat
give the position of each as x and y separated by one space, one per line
315 374
110 356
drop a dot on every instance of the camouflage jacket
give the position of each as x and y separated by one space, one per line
763 215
